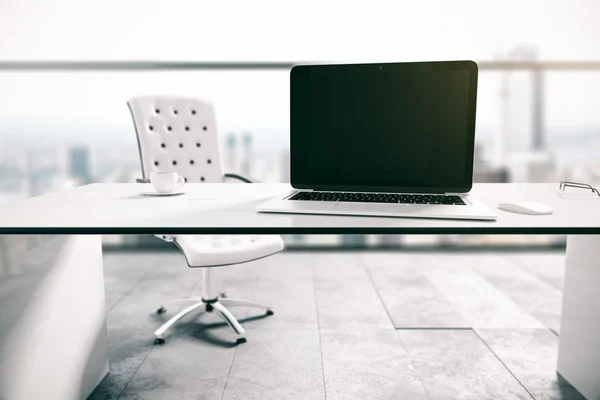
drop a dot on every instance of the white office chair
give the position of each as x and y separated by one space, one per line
180 134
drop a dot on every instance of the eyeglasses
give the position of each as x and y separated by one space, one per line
565 184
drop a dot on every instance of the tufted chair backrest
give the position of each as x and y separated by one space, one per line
177 134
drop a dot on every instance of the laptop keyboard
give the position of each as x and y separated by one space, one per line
379 198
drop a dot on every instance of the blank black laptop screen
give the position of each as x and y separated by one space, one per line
395 127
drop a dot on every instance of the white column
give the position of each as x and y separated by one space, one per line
53 341
579 346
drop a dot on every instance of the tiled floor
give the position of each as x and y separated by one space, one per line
348 325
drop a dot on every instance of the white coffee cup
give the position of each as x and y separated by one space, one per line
165 182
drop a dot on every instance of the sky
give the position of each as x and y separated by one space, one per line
340 31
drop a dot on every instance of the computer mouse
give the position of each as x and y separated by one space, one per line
526 207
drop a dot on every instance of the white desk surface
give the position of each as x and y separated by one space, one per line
119 208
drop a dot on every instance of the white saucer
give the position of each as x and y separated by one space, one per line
159 194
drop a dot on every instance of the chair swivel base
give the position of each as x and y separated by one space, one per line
218 305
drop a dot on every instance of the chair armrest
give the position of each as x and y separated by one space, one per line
142 180
241 178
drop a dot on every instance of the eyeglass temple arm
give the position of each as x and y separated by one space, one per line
575 184
582 186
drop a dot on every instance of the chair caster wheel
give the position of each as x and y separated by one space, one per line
223 295
240 340
159 341
269 312
161 310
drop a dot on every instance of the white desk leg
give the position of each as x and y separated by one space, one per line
52 317
579 346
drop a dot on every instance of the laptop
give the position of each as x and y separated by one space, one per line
393 140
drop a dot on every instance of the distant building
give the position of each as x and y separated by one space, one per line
520 137
353 240
230 154
247 162
80 164
13 176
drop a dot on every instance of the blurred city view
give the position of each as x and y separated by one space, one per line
538 113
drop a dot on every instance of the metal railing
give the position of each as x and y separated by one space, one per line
116 65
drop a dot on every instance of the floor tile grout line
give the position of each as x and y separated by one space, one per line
433 286
476 271
519 264
510 297
364 265
458 328
229 372
434 328
128 291
502 362
413 365
319 332
234 352
138 282
135 373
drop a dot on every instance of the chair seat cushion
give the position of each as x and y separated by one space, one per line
218 250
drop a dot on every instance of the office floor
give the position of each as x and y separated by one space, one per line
347 325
